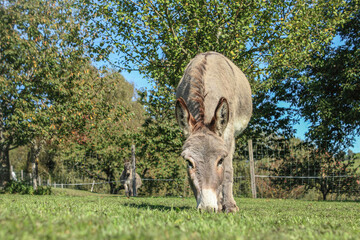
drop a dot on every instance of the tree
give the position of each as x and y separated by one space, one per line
159 142
329 97
42 91
268 40
99 150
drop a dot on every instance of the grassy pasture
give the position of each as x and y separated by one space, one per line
82 215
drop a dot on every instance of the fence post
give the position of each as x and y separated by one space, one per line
11 172
92 187
22 175
252 169
133 169
48 182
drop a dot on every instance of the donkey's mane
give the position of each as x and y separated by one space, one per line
198 89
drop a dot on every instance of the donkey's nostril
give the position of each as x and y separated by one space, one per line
208 209
211 209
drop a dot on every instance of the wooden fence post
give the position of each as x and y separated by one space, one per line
11 172
92 187
133 169
22 175
252 169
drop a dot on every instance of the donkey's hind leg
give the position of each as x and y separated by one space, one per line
126 190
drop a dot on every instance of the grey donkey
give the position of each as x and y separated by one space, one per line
213 106
126 178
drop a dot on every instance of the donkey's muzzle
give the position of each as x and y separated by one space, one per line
207 201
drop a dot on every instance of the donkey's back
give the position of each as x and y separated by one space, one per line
209 77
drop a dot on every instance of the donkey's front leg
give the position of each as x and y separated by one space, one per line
229 204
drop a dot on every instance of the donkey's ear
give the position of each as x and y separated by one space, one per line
184 117
221 117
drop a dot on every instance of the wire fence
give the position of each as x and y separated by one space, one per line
295 169
282 169
83 182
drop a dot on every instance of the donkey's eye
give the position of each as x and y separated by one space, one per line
220 162
190 164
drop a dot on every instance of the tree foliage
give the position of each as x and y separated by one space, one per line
42 92
100 150
159 143
268 40
329 96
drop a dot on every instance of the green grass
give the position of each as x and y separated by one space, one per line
70 214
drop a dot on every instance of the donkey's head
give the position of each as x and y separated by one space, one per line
205 151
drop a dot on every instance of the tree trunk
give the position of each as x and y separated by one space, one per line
34 172
324 189
36 146
324 195
4 156
4 166
113 189
112 183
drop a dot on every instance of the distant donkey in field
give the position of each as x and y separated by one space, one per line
213 107
126 178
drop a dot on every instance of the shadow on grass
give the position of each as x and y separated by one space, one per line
157 207
337 201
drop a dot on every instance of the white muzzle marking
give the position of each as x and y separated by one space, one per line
207 200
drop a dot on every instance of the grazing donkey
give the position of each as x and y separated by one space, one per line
213 107
126 178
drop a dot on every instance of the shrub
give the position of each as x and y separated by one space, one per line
46 190
22 187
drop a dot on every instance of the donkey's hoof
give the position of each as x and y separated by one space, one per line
231 209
